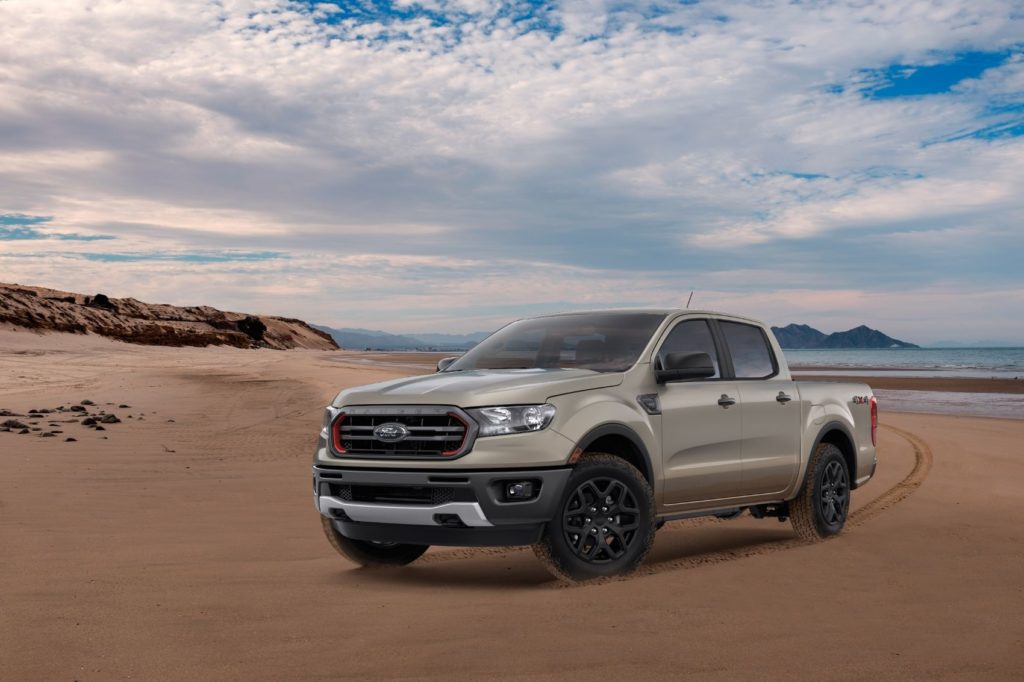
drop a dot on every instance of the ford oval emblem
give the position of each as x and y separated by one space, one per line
391 432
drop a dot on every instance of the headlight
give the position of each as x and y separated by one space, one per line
325 425
495 421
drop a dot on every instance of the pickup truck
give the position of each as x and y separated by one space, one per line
581 434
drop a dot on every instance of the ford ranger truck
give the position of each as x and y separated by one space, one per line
581 434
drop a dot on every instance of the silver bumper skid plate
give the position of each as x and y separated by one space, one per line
470 513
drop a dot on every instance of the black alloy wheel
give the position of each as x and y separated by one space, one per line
605 521
834 497
600 520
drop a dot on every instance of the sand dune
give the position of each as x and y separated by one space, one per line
44 310
189 549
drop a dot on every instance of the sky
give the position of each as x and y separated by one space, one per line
448 165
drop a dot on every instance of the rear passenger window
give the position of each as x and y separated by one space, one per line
751 356
692 336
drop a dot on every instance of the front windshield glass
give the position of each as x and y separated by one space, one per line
603 342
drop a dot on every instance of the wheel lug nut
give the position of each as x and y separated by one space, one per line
593 531
604 530
593 509
604 509
586 520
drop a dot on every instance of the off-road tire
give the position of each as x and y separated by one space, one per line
808 511
371 554
555 549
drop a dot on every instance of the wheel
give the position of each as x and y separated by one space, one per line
604 524
371 553
820 510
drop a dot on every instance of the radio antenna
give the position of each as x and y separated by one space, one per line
689 301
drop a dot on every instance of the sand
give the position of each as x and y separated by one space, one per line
191 550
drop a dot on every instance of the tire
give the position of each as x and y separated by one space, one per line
577 544
371 554
821 508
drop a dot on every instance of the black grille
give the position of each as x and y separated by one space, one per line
436 434
385 494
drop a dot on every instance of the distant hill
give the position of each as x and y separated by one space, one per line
153 324
802 336
361 339
798 336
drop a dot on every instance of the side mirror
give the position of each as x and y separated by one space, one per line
443 363
682 366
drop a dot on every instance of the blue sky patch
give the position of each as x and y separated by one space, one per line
908 80
20 227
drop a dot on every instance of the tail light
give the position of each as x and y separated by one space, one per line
874 421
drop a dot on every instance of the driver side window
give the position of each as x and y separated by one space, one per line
691 336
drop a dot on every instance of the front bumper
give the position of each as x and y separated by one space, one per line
431 507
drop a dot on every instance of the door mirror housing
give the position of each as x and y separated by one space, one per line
683 366
443 363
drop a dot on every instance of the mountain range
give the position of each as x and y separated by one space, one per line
802 336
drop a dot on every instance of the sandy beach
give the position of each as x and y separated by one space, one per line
181 543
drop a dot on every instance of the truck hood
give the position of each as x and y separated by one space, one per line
476 388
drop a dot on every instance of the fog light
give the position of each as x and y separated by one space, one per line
519 490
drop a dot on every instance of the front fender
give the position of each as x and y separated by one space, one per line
589 417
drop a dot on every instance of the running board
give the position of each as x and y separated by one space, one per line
727 513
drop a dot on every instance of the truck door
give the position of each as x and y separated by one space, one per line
771 411
700 424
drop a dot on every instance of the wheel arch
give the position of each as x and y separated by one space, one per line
838 434
619 439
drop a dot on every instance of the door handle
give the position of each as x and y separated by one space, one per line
783 398
725 401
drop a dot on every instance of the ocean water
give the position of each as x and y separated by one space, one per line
1004 363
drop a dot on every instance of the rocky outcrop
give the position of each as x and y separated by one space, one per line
157 324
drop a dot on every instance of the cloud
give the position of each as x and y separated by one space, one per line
519 155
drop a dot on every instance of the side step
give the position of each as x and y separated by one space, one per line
730 513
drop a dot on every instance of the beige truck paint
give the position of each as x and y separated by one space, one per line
702 456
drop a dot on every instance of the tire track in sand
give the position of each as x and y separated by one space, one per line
923 459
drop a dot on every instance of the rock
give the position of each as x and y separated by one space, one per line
110 419
8 413
89 421
70 440
170 421
47 435
99 428
4 428
87 402
77 408
14 424
252 327
123 406
100 301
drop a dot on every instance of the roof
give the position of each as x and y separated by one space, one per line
651 311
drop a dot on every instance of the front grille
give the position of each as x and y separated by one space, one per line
429 432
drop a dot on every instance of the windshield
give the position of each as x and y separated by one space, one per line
603 342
